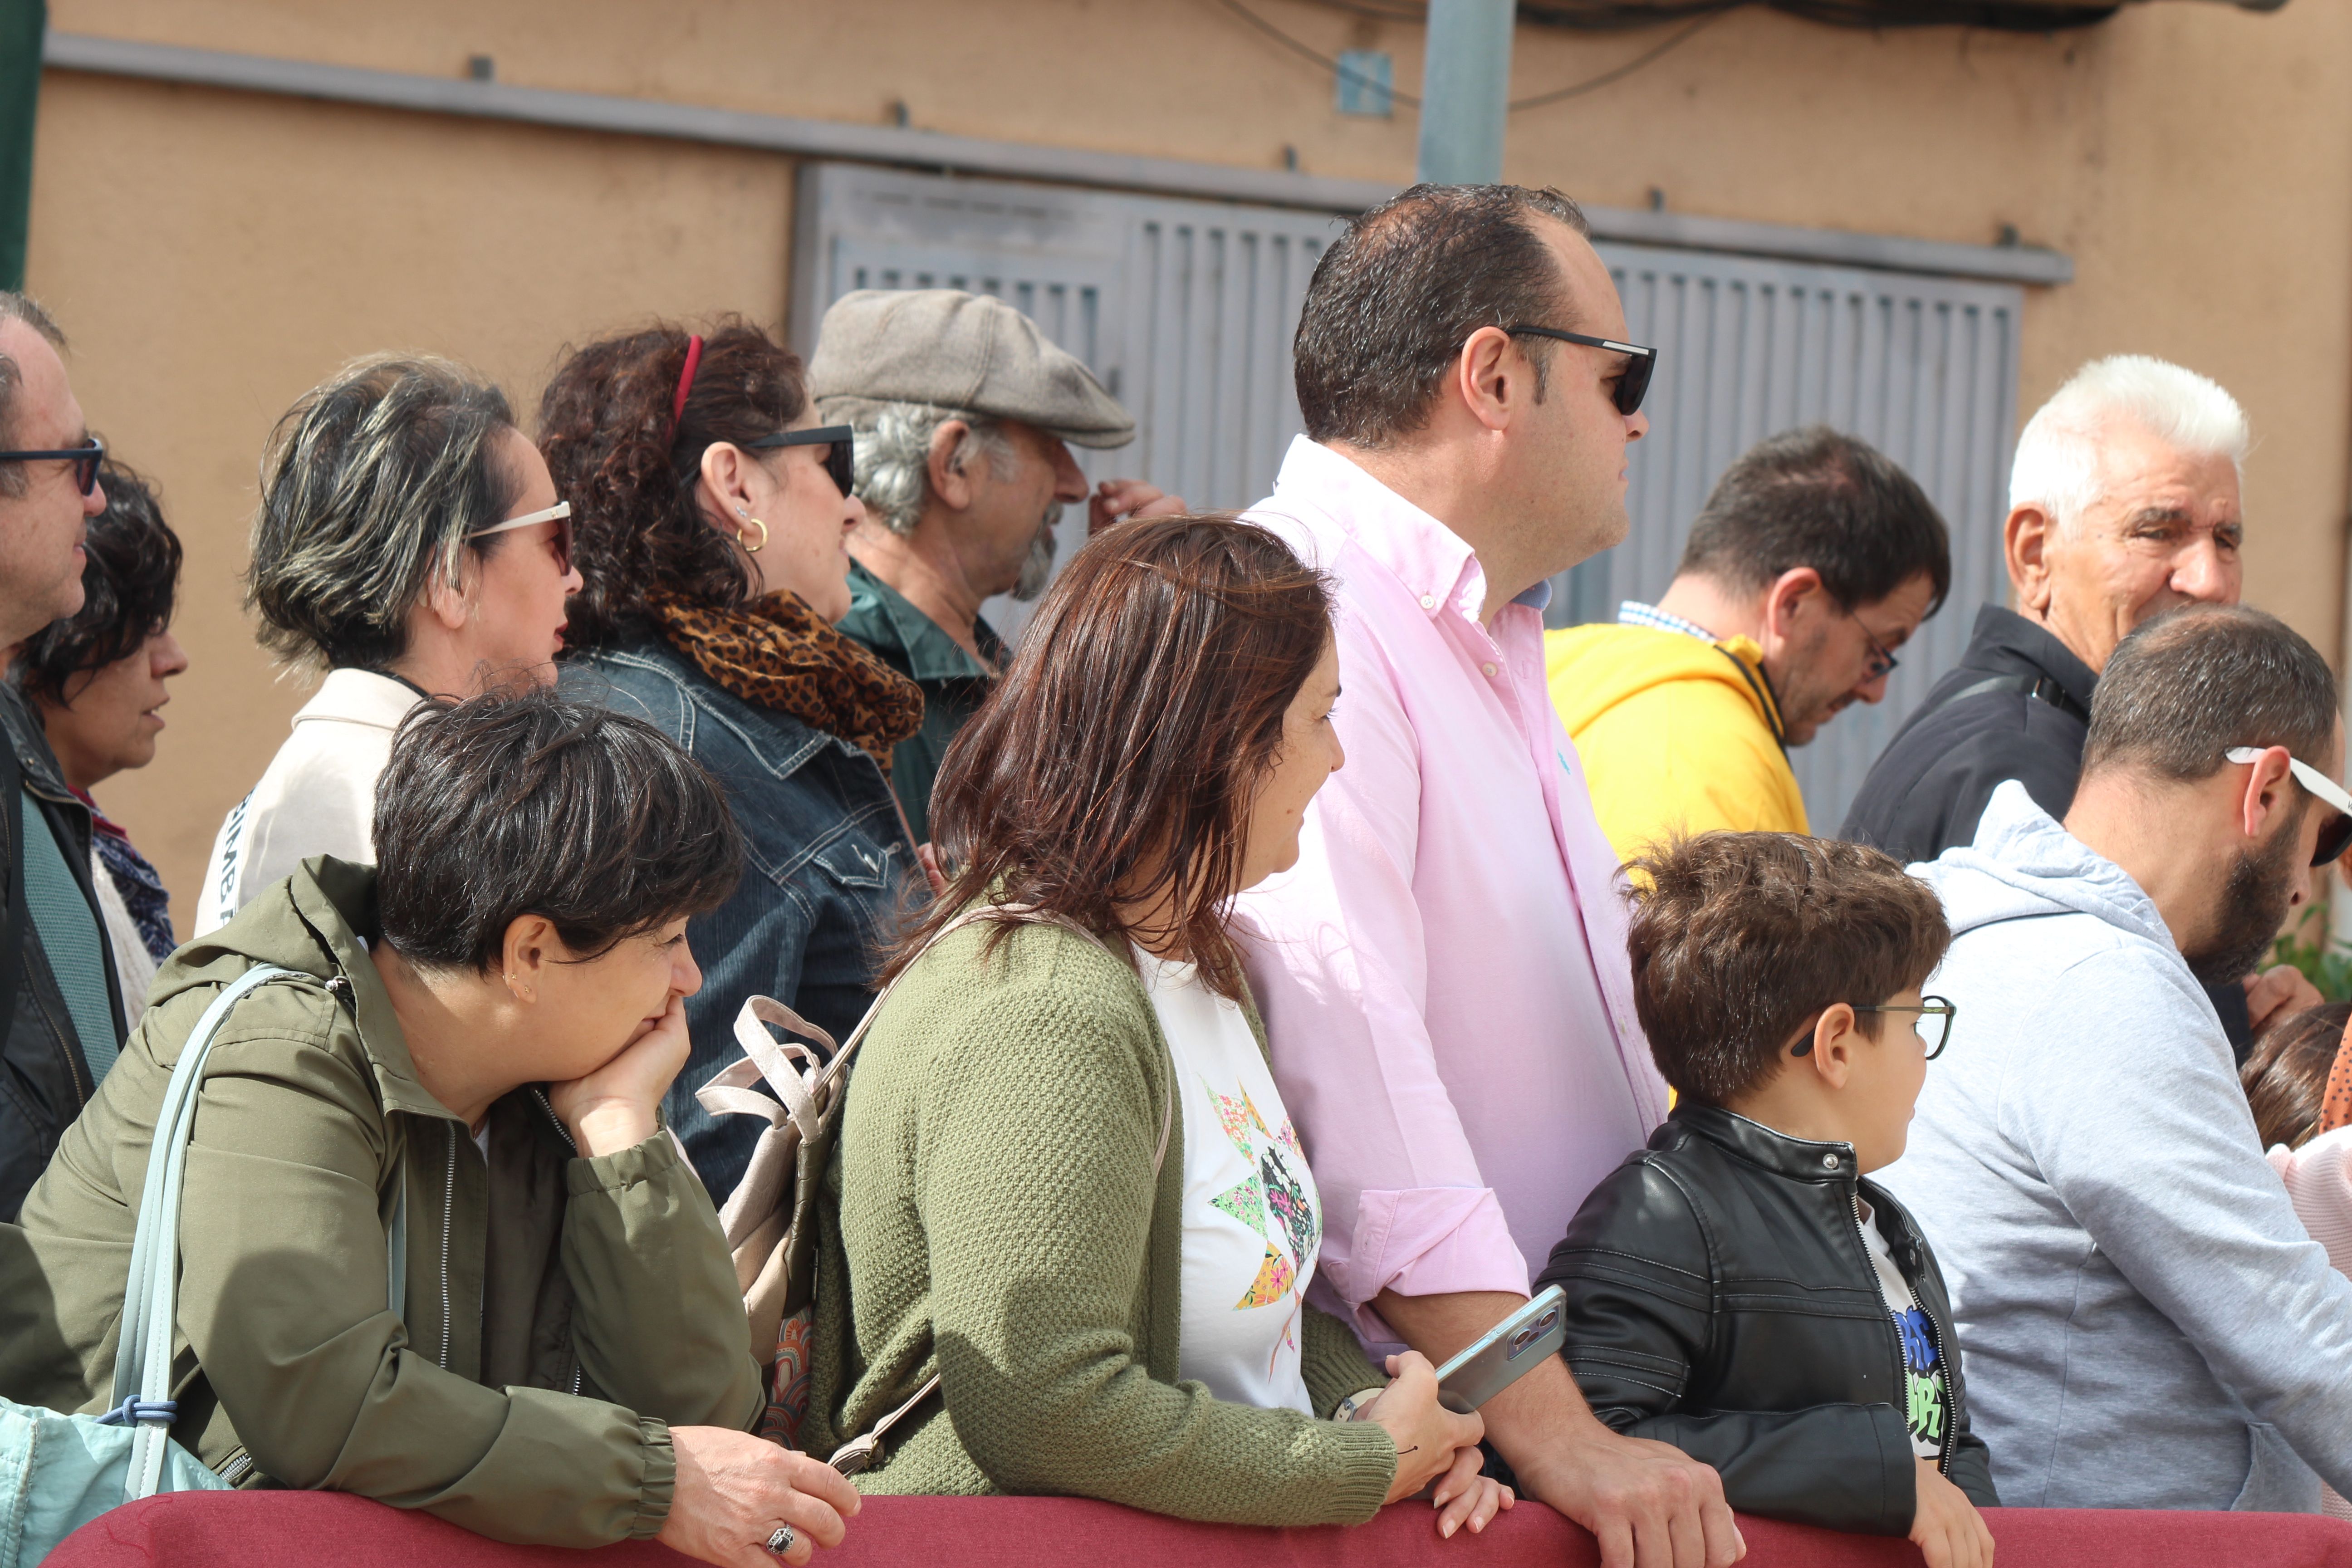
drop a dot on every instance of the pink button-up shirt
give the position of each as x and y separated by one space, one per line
1444 975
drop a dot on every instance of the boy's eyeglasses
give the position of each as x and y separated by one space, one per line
559 514
1633 382
1927 1008
85 459
2335 835
840 464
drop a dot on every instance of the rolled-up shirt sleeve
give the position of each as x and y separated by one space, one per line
1338 959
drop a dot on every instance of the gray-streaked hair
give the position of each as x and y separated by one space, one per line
16 307
2057 462
368 487
894 457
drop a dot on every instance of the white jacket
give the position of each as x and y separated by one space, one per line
316 797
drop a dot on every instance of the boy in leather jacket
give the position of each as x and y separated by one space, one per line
1738 1288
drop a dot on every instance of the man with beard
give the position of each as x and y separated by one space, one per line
2145 1323
1814 561
964 416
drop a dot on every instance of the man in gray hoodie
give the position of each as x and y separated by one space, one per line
2144 1321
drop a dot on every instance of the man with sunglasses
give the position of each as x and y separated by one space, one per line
60 1009
1815 558
2145 1323
1443 976
964 414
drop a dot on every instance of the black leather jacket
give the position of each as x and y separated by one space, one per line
44 1071
1719 1299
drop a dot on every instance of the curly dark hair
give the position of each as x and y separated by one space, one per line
604 427
1738 938
129 588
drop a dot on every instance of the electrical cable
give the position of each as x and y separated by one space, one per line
1308 51
1590 84
1619 16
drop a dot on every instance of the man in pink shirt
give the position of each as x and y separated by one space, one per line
1443 976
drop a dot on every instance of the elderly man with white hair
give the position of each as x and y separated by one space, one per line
2123 503
964 414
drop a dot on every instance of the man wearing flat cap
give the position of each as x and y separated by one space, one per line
965 415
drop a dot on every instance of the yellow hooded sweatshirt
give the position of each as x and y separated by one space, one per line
1676 735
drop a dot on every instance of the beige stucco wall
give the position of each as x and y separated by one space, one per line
214 254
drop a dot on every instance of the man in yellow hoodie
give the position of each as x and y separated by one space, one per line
1815 559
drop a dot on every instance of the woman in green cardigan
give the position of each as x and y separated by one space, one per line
1066 1185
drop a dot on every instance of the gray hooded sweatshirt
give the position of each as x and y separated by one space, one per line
2145 1323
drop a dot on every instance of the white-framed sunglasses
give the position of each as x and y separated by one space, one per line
560 514
2337 836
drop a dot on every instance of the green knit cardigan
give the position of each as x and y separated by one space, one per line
991 1214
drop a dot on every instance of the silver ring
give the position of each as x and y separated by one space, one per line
781 1541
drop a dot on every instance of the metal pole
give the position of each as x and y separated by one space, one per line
22 23
1465 83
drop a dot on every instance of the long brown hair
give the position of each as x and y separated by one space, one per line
2285 1079
1119 756
631 472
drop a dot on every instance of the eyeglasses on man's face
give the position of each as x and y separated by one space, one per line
2336 833
1882 659
1933 1009
84 458
1632 382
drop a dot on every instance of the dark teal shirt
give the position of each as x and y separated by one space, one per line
67 929
953 684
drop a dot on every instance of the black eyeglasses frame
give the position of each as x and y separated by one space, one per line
1927 1008
1632 385
85 460
840 464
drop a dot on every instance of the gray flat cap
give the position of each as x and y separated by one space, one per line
954 350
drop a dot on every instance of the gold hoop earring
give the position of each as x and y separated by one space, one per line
750 548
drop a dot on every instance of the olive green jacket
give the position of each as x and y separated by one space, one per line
560 1313
991 1214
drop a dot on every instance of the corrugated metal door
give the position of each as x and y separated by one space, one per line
1922 368
1186 310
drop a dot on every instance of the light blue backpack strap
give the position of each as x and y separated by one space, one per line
142 1356
395 1246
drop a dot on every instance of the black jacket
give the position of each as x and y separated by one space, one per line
1719 1299
1929 786
44 1072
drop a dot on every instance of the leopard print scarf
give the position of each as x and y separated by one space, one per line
778 653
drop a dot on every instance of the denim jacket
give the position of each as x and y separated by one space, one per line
826 876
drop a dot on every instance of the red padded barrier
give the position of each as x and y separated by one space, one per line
326 1530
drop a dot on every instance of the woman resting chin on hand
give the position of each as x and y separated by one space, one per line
1066 1170
476 1035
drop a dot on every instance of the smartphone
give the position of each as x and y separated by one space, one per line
1519 1342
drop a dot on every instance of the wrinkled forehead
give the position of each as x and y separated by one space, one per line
2140 469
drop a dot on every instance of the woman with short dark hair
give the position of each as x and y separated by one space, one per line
714 519
1066 1186
409 544
96 679
458 1088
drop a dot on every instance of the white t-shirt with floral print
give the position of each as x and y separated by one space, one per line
1252 1220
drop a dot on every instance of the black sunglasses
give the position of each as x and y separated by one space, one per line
840 464
85 460
1633 384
